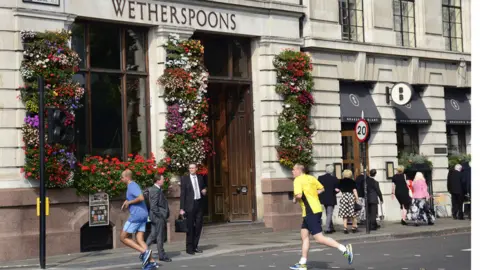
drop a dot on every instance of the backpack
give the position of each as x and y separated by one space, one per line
146 196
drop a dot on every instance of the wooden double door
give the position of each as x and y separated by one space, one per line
353 152
231 169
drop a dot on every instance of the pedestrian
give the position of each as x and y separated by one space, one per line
137 221
420 210
193 187
401 192
347 202
329 197
373 194
467 187
360 180
306 189
159 214
455 188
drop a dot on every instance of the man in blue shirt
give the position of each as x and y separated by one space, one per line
137 220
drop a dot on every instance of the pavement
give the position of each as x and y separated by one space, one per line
242 244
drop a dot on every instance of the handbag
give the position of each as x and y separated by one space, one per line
357 207
181 225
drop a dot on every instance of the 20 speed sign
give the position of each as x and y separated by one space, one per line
362 130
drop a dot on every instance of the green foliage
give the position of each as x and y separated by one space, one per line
458 159
408 159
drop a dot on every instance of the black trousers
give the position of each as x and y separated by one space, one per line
158 234
372 214
194 225
457 205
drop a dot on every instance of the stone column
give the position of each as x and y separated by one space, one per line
434 135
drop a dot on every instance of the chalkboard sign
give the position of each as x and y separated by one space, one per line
99 210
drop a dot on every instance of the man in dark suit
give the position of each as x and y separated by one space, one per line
329 197
455 187
373 193
193 187
159 214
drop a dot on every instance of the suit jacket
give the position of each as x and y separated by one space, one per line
360 186
329 183
373 191
187 194
158 204
454 182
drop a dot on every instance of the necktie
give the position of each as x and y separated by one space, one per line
196 188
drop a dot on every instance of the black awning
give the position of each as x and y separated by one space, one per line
457 107
355 97
413 113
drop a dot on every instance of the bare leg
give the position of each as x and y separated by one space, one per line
404 213
327 241
140 240
125 238
354 222
305 242
345 223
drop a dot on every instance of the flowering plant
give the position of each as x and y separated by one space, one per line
47 55
294 84
185 83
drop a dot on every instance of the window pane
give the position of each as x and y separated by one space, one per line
78 41
458 15
105 46
216 56
411 38
399 38
240 58
137 117
459 42
353 33
404 8
359 4
405 24
458 30
396 7
445 15
411 25
345 17
406 41
346 32
359 18
352 18
410 9
360 34
106 114
447 43
444 2
81 120
398 23
135 47
456 3
446 29
452 15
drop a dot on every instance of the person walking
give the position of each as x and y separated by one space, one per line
137 221
306 189
467 187
373 194
329 197
455 188
401 192
347 202
421 210
193 187
159 214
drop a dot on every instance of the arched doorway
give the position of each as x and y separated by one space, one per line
96 238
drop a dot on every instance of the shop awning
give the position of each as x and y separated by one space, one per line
413 113
457 107
355 97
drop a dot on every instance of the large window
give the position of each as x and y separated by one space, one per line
351 19
452 25
456 140
407 139
115 118
404 22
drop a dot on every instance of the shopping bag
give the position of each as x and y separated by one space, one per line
181 225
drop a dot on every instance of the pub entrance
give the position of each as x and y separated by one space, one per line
231 184
352 150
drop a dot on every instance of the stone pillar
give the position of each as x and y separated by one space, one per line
468 131
434 135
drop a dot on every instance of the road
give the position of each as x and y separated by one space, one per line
436 253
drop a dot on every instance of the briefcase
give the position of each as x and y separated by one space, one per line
181 225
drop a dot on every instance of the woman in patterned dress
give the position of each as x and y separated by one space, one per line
347 203
420 209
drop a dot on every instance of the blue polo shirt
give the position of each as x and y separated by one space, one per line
138 211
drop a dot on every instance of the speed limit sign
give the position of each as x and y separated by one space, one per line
362 130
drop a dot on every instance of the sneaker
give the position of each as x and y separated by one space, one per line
298 266
145 257
349 253
150 266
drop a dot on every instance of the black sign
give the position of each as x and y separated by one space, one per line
99 210
440 150
174 15
44 2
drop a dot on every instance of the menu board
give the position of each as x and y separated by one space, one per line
99 210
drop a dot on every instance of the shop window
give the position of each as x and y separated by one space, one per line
351 20
452 25
456 140
407 139
404 22
115 117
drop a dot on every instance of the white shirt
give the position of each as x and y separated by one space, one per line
196 188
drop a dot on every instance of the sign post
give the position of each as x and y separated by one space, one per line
41 132
362 132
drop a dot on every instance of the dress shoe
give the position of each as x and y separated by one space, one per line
165 259
198 250
328 232
190 252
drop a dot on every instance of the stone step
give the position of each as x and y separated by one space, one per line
234 229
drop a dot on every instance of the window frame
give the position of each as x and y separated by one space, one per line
402 30
356 10
413 133
88 70
449 7
461 133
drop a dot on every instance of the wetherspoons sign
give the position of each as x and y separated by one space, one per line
153 12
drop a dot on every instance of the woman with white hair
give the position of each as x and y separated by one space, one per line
420 210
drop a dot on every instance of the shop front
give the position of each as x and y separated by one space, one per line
458 120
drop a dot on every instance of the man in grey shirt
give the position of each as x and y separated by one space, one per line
159 214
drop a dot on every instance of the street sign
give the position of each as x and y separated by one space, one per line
362 130
99 210
401 93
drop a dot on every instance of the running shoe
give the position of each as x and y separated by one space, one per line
349 253
149 266
146 256
299 266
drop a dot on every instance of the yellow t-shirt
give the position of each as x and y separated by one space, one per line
308 185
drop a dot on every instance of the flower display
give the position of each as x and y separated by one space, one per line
185 82
48 55
294 84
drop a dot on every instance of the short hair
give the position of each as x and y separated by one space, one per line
347 174
127 173
373 172
300 167
329 169
458 167
400 169
157 177
193 164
